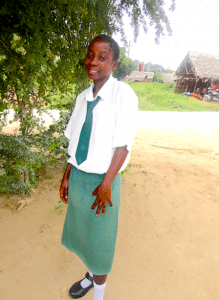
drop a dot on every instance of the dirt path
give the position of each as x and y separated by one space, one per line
168 242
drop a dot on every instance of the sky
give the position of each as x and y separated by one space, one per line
195 27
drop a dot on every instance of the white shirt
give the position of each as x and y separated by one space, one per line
114 125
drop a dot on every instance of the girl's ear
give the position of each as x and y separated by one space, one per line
115 64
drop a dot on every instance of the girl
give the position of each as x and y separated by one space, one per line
101 132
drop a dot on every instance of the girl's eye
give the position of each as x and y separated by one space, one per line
102 58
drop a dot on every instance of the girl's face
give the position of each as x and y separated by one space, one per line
99 62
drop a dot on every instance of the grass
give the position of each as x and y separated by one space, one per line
160 97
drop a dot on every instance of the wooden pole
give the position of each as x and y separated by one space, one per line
187 86
195 84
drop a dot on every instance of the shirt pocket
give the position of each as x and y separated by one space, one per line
104 122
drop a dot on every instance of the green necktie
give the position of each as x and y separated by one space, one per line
84 139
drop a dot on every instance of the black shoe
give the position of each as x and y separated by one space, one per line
77 291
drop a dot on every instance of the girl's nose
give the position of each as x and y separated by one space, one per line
93 60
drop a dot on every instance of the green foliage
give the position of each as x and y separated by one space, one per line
127 169
149 67
3 106
43 43
19 164
42 49
56 142
160 97
157 78
22 156
62 101
169 86
125 65
59 206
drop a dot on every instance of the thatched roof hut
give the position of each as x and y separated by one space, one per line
138 76
197 70
148 76
169 77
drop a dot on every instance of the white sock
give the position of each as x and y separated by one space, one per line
99 291
85 283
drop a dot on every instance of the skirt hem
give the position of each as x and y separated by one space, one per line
83 259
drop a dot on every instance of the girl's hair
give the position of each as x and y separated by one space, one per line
112 43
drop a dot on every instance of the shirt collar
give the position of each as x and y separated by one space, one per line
104 92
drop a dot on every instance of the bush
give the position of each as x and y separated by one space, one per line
22 156
157 78
19 164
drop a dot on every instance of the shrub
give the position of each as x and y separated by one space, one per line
157 78
22 156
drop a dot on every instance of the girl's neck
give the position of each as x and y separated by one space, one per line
95 91
97 86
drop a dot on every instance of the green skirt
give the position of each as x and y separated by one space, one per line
91 237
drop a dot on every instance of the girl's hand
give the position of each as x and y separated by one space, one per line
64 185
103 193
64 190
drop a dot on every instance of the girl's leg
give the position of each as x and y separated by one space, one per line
99 286
99 279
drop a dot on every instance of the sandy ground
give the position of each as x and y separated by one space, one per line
168 241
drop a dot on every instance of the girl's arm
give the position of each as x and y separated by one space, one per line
103 191
64 184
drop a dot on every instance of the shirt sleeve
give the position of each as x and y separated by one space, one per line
68 129
126 119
